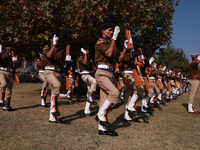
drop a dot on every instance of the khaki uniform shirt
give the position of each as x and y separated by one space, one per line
57 59
194 71
88 66
6 60
100 47
40 66
126 62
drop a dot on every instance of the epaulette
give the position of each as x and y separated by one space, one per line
100 41
45 47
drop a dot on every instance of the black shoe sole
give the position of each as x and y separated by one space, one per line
97 118
8 110
93 103
55 113
103 123
109 133
1 104
44 106
134 120
90 114
135 113
58 121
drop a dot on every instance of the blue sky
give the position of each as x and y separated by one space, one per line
186 34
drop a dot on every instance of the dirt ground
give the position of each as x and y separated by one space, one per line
168 127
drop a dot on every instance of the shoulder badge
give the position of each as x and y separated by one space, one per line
100 41
45 47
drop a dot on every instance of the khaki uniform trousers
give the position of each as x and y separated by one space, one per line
6 80
131 88
147 92
169 90
172 84
194 86
154 86
108 90
178 84
71 82
90 81
54 79
164 87
122 85
42 78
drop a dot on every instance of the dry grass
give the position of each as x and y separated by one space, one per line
169 127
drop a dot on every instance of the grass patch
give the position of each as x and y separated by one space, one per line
169 127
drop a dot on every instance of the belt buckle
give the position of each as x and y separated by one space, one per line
110 67
57 69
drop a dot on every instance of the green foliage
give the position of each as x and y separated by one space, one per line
174 58
31 22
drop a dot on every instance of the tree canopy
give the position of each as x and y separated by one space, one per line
174 58
31 22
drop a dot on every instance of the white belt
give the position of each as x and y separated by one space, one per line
52 68
151 78
105 67
41 71
85 73
128 72
70 76
5 69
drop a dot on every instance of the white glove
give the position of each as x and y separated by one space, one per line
68 58
198 57
0 48
14 58
198 66
41 56
131 41
83 51
125 43
142 57
55 40
116 32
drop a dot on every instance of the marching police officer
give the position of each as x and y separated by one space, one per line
6 75
45 85
133 92
53 62
86 68
105 56
194 81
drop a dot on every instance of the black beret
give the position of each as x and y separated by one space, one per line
7 44
85 48
106 25
51 35
158 64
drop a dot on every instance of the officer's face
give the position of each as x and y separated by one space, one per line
196 59
107 33
87 51
8 49
51 40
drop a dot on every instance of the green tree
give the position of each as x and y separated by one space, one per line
174 58
30 22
